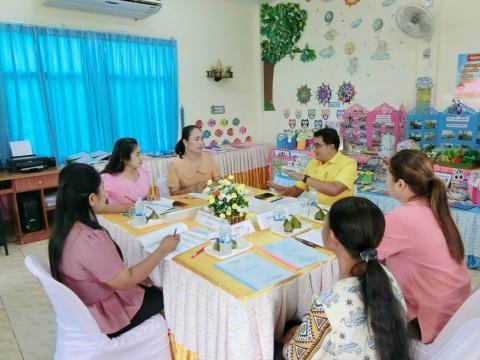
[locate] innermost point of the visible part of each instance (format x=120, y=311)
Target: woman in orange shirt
x=192, y=169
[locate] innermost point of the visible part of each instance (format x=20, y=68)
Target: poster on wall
x=468, y=76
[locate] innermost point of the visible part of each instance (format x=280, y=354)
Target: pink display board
x=354, y=126
x=382, y=120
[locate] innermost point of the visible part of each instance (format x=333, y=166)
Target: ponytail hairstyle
x=186, y=132
x=416, y=169
x=122, y=151
x=358, y=224
x=76, y=183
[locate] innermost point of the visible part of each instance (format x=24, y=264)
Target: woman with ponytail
x=84, y=257
x=192, y=169
x=422, y=246
x=363, y=315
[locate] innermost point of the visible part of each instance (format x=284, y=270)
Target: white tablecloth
x=232, y=161
x=214, y=324
x=468, y=222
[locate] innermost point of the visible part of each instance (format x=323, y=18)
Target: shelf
x=219, y=75
x=6, y=191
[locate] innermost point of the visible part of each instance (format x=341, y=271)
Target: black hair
x=186, y=132
x=329, y=136
x=359, y=224
x=122, y=151
x=416, y=169
x=76, y=183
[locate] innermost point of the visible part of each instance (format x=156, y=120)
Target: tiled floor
x=27, y=321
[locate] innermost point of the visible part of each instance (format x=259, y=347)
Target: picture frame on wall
x=217, y=109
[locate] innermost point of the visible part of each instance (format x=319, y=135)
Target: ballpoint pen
x=175, y=232
x=279, y=198
x=198, y=252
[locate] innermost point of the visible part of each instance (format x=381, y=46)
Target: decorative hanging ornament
x=230, y=132
x=292, y=123
x=286, y=113
x=305, y=123
x=355, y=23
x=377, y=24
x=199, y=123
x=236, y=121
x=311, y=113
x=324, y=94
x=298, y=114
x=248, y=139
x=213, y=143
x=242, y=130
x=218, y=132
x=351, y=2
x=349, y=48
x=325, y=114
x=346, y=93
x=225, y=142
x=328, y=17
x=331, y=34
x=327, y=52
x=211, y=122
x=206, y=134
x=224, y=122
x=304, y=93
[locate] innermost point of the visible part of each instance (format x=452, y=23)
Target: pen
x=198, y=252
x=175, y=232
x=279, y=198
x=126, y=197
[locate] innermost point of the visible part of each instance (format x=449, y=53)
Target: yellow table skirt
x=180, y=352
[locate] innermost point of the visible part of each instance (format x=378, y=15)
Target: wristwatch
x=305, y=178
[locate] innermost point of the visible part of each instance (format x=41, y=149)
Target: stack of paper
x=293, y=253
x=253, y=271
x=313, y=236
x=161, y=206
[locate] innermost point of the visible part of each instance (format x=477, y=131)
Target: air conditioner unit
x=135, y=9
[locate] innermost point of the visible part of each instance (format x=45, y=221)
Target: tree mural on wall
x=281, y=27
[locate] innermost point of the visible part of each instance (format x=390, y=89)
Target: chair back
x=163, y=186
x=75, y=323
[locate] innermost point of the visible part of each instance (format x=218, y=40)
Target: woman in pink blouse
x=124, y=178
x=84, y=257
x=422, y=246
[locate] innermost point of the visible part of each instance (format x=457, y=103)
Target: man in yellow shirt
x=331, y=173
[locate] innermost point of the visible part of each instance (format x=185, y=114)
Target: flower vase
x=236, y=219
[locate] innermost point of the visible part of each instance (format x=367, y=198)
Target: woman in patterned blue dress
x=363, y=315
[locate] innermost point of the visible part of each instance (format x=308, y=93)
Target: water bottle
x=139, y=214
x=225, y=238
x=279, y=213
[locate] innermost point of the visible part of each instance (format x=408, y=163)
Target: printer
x=30, y=163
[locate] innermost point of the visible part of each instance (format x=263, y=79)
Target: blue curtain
x=69, y=91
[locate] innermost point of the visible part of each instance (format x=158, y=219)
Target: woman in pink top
x=123, y=177
x=422, y=246
x=84, y=257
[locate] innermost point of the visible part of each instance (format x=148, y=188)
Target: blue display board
x=459, y=126
x=424, y=127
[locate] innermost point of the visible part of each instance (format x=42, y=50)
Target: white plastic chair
x=163, y=186
x=460, y=338
x=78, y=334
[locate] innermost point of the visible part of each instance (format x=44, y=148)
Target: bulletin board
x=459, y=126
x=423, y=127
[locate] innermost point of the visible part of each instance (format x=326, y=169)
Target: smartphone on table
x=264, y=196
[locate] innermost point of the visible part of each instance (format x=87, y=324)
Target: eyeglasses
x=318, y=146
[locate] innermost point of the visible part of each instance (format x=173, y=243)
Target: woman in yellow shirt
x=192, y=169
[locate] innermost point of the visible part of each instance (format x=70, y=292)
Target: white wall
x=205, y=30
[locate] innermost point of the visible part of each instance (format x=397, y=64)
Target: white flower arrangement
x=227, y=199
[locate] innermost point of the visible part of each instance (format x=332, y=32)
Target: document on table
x=151, y=240
x=313, y=236
x=253, y=271
x=293, y=253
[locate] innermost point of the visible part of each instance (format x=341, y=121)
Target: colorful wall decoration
x=383, y=121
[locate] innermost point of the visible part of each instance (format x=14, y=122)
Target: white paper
x=187, y=242
x=21, y=148
x=151, y=241
x=312, y=236
x=265, y=220
x=257, y=206
x=199, y=195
